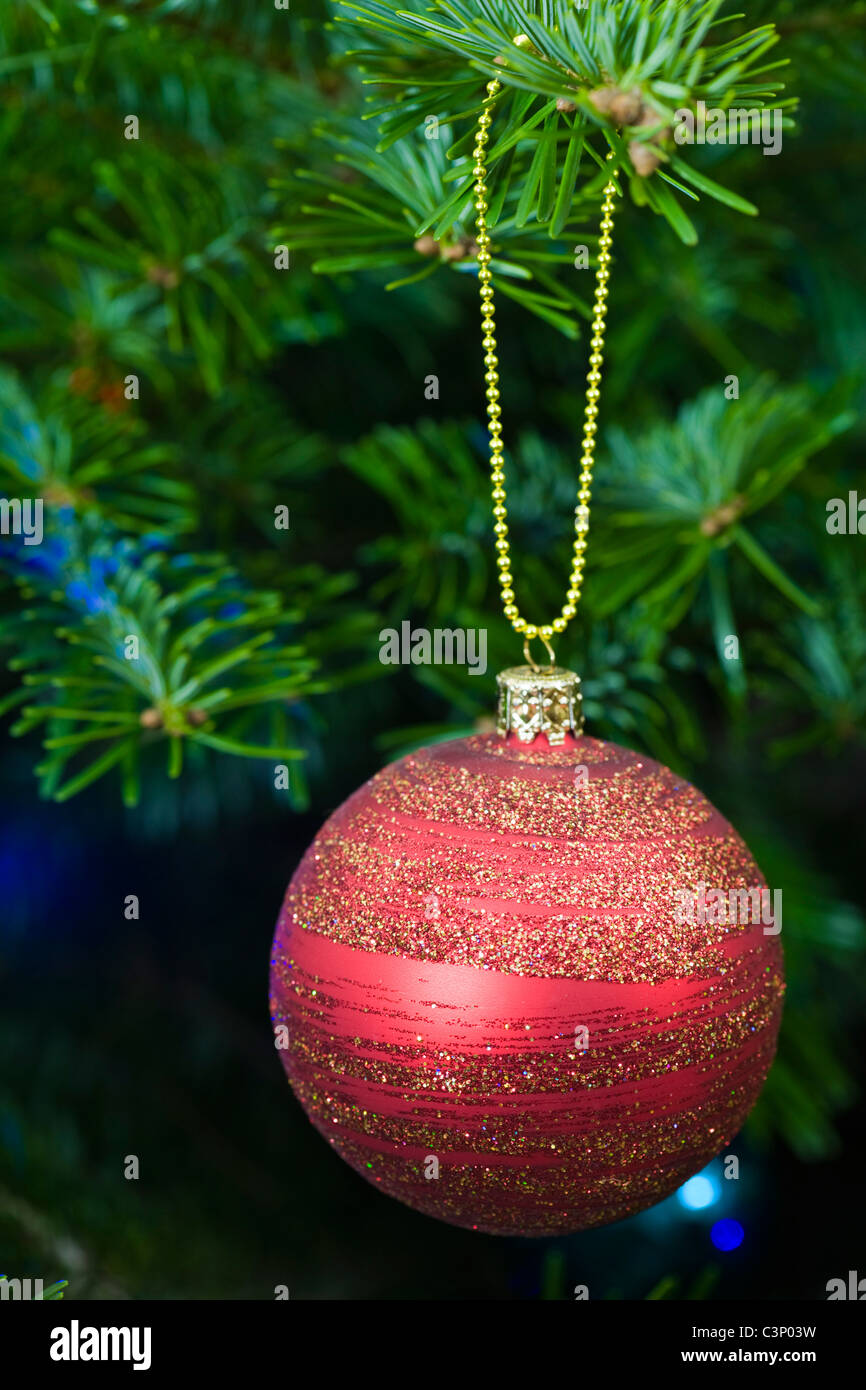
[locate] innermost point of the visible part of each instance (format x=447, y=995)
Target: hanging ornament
x=498, y=986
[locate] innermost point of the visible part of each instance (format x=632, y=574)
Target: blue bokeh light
x=727, y=1234
x=699, y=1192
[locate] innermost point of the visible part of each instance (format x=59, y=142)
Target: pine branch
x=578, y=83
x=123, y=645
x=822, y=663
x=682, y=504
x=82, y=449
x=410, y=213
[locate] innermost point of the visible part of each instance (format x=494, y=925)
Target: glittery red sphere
x=496, y=1007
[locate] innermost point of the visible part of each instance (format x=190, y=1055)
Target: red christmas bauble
x=495, y=1006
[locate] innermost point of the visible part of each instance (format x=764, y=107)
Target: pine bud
x=602, y=98
x=626, y=107
x=644, y=158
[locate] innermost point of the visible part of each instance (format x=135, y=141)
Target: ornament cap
x=537, y=700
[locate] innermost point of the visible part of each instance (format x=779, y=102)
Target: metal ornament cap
x=539, y=700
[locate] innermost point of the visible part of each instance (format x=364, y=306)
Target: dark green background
x=152, y=1037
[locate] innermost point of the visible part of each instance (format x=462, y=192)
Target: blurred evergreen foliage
x=260, y=388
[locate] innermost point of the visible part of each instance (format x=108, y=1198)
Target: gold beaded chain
x=494, y=410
